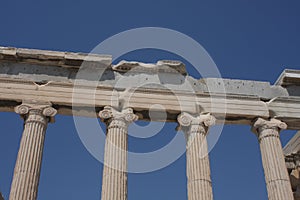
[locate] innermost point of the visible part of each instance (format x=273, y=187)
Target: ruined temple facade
x=39, y=84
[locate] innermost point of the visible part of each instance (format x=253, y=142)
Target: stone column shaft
x=276, y=175
x=198, y=168
x=28, y=165
x=114, y=181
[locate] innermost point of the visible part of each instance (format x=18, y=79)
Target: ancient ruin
x=38, y=84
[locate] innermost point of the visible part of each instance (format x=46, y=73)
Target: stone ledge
x=289, y=77
x=57, y=58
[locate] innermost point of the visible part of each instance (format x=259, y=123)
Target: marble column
x=198, y=169
x=114, y=180
x=28, y=165
x=276, y=174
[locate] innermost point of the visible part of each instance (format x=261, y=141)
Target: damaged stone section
x=290, y=80
x=51, y=76
x=263, y=90
x=292, y=160
x=48, y=66
x=166, y=66
x=293, y=167
x=289, y=77
x=51, y=58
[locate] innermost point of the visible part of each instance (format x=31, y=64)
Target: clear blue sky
x=252, y=40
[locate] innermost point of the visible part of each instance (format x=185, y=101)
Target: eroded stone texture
x=28, y=165
x=295, y=182
x=198, y=169
x=276, y=175
x=114, y=181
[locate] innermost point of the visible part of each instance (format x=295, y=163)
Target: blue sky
x=252, y=40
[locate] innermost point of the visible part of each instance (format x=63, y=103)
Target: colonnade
x=114, y=186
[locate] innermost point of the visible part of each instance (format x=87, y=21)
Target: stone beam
x=293, y=146
x=50, y=76
x=238, y=108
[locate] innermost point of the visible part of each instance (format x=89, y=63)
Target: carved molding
x=49, y=112
x=36, y=112
x=186, y=119
x=196, y=123
x=261, y=124
x=117, y=119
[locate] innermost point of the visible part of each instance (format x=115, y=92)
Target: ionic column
x=114, y=181
x=276, y=175
x=28, y=165
x=198, y=169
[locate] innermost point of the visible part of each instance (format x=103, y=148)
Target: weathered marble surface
x=276, y=174
x=197, y=162
x=28, y=165
x=50, y=76
x=114, y=179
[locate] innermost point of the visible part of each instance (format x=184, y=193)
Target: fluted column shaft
x=28, y=165
x=114, y=180
x=198, y=168
x=276, y=175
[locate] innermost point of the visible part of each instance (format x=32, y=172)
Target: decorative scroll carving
x=22, y=109
x=36, y=112
x=115, y=118
x=187, y=120
x=262, y=124
x=49, y=112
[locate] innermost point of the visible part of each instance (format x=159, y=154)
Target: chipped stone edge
x=57, y=58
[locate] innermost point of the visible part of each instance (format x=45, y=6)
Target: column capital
x=261, y=124
x=110, y=114
x=186, y=119
x=195, y=124
x=44, y=109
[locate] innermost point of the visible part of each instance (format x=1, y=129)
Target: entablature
x=57, y=77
